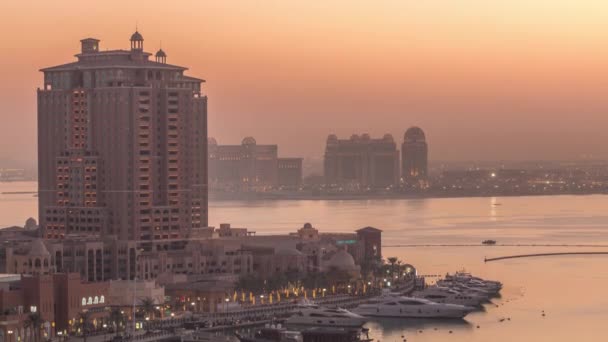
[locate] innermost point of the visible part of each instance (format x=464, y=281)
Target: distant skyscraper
x=361, y=161
x=122, y=146
x=414, y=157
x=250, y=166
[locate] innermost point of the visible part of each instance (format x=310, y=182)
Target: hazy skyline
x=487, y=81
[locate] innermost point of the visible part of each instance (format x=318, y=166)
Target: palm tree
x=34, y=323
x=117, y=318
x=148, y=307
x=392, y=261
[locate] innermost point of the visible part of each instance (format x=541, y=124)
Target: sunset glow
x=468, y=71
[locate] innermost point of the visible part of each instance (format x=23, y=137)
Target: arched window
x=84, y=301
x=90, y=301
x=96, y=300
x=102, y=300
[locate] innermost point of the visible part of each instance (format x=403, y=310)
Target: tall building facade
x=250, y=166
x=362, y=161
x=414, y=157
x=290, y=172
x=122, y=145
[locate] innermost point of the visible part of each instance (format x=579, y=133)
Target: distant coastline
x=259, y=196
x=25, y=189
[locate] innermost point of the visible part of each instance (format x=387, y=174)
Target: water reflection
x=391, y=326
x=493, y=211
x=418, y=204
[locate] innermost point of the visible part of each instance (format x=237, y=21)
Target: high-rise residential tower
x=122, y=146
x=414, y=157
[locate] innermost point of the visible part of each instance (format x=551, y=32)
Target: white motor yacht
x=315, y=315
x=470, y=288
x=398, y=306
x=468, y=279
x=448, y=296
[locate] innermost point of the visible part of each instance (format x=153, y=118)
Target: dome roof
x=161, y=53
x=137, y=36
x=342, y=260
x=249, y=141
x=31, y=223
x=332, y=138
x=365, y=136
x=307, y=225
x=211, y=141
x=414, y=134
x=38, y=249
x=388, y=137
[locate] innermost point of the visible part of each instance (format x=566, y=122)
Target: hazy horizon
x=523, y=80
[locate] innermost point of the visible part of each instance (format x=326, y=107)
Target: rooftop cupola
x=161, y=56
x=137, y=41
x=89, y=45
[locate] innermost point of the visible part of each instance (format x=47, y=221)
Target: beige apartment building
x=122, y=144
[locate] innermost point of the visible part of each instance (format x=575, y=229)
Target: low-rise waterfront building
x=128, y=271
x=58, y=299
x=212, y=252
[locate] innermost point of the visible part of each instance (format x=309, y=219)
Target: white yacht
x=398, y=306
x=325, y=317
x=448, y=296
x=468, y=287
x=470, y=280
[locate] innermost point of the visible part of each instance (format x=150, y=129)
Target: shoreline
x=254, y=197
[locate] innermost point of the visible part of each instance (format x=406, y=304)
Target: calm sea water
x=570, y=289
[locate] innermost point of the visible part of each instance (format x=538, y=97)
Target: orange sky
x=486, y=79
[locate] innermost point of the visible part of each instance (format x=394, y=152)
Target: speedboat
x=325, y=317
x=402, y=307
x=448, y=296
